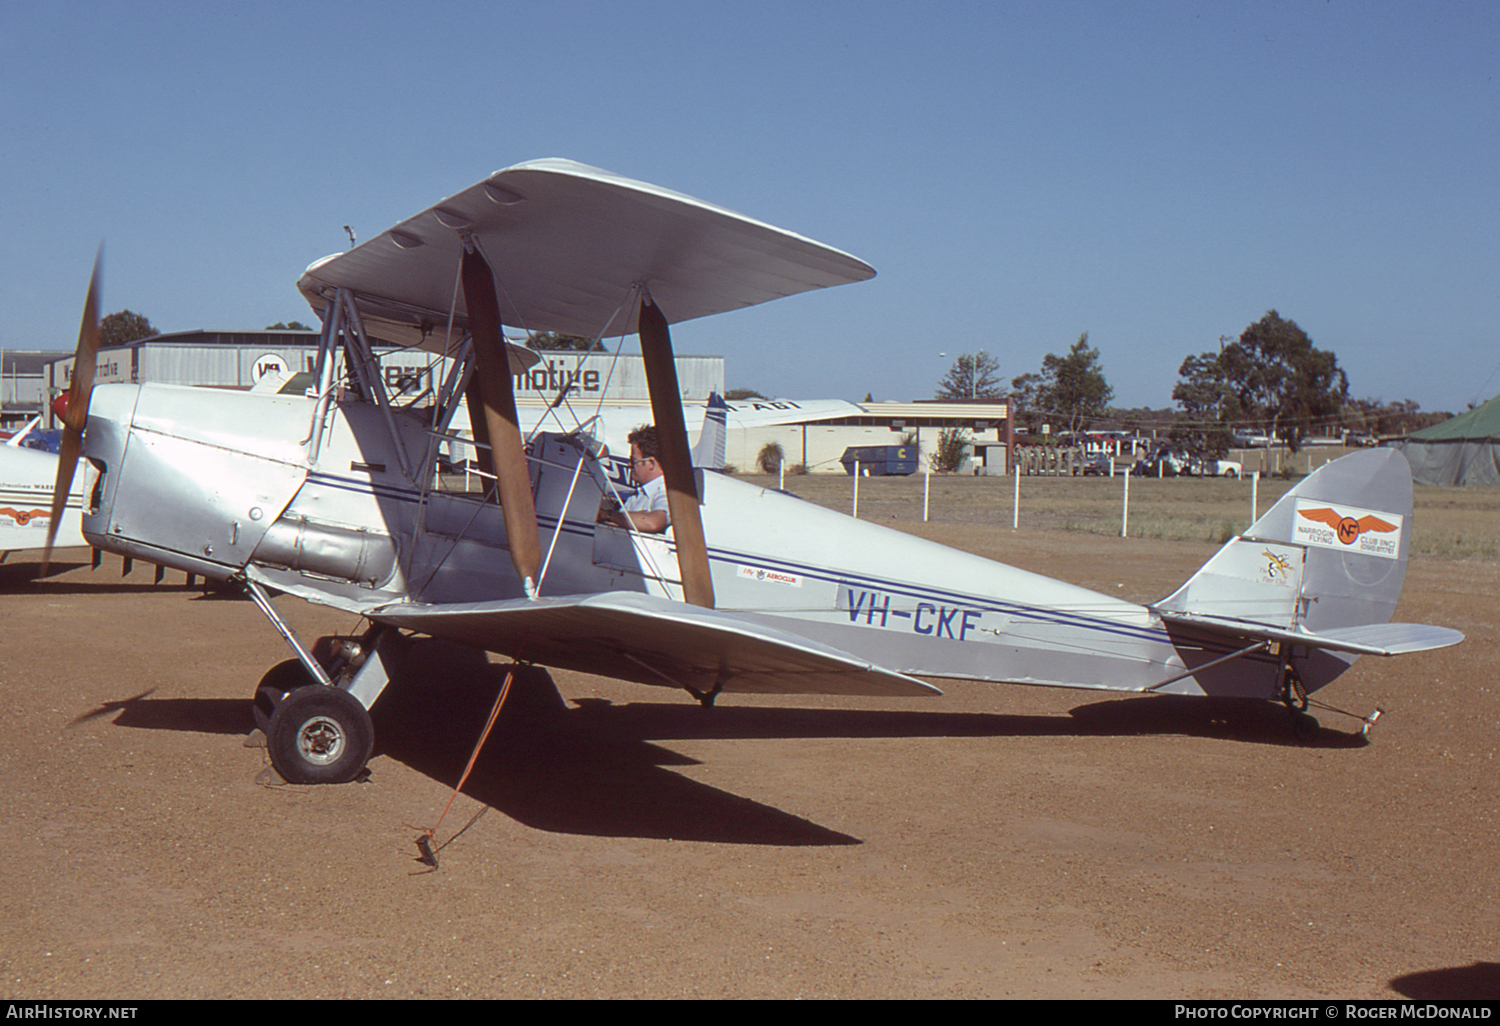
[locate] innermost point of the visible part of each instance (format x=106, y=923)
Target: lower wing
x=653, y=640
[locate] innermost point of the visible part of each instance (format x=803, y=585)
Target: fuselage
x=336, y=504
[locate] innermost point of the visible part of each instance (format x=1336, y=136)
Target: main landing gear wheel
x=279, y=681
x=320, y=735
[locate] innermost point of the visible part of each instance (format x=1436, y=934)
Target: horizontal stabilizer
x=1385, y=639
x=653, y=640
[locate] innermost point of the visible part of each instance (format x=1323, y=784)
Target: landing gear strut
x=1293, y=695
x=1291, y=692
x=314, y=710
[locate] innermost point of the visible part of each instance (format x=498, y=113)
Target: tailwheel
x=1293, y=695
x=320, y=735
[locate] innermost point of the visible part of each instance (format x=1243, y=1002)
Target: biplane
x=331, y=496
x=27, y=477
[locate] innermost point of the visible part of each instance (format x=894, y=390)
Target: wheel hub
x=320, y=740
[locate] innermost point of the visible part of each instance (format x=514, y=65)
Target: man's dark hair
x=644, y=439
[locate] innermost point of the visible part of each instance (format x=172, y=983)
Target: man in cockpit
x=646, y=510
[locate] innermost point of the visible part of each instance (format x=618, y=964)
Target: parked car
x=1098, y=465
x=1163, y=462
x=1167, y=462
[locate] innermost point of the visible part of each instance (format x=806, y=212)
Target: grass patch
x=1448, y=523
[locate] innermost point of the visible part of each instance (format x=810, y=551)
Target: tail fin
x=1323, y=568
x=709, y=450
x=1331, y=553
x=20, y=436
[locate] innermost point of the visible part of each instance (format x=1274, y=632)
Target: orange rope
x=424, y=841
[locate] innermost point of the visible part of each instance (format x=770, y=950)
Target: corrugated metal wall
x=238, y=359
x=697, y=376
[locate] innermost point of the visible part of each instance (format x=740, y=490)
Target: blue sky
x=1156, y=174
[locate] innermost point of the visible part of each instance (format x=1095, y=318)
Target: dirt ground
x=995, y=842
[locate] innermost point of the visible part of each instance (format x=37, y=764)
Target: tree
x=770, y=457
x=949, y=455
x=1023, y=399
x=972, y=376
x=736, y=394
x=293, y=326
x=1070, y=387
x=1142, y=419
x=1377, y=417
x=553, y=341
x=116, y=329
x=1208, y=407
x=1271, y=379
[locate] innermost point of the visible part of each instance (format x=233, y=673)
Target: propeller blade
x=496, y=391
x=76, y=416
x=676, y=456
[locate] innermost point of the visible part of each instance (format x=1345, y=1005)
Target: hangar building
x=238, y=359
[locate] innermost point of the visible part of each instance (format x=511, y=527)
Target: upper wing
x=653, y=641
x=568, y=243
x=747, y=413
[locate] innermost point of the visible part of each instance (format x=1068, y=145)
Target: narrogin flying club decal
x=1349, y=528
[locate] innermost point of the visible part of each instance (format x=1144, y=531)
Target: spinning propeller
x=76, y=413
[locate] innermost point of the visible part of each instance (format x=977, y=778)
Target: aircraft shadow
x=592, y=769
x=23, y=574
x=1251, y=721
x=24, y=577
x=1247, y=721
x=1477, y=982
x=190, y=715
x=539, y=766
x=546, y=767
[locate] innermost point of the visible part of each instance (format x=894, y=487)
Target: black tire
x=320, y=735
x=279, y=681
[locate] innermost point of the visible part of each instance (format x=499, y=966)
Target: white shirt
x=649, y=497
